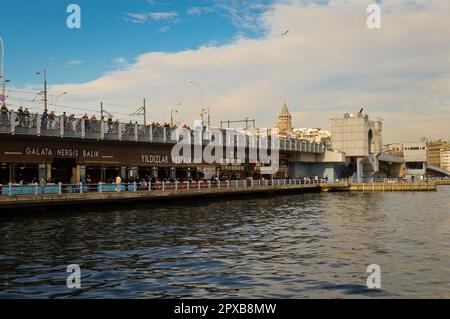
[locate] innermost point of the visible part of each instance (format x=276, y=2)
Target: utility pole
x=45, y=91
x=45, y=88
x=247, y=121
x=101, y=111
x=145, y=112
x=142, y=111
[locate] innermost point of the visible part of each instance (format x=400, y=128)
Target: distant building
x=415, y=155
x=445, y=159
x=284, y=123
x=434, y=152
x=312, y=135
x=395, y=149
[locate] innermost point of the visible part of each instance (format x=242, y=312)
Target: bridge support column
x=359, y=169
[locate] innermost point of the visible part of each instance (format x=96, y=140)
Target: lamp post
x=57, y=98
x=44, y=72
x=3, y=67
x=201, y=98
x=3, y=97
x=171, y=113
x=201, y=91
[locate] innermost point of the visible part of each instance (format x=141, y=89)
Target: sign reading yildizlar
x=62, y=152
x=154, y=159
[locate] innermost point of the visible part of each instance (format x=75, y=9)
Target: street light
x=3, y=97
x=3, y=67
x=56, y=100
x=44, y=72
x=201, y=97
x=172, y=111
x=201, y=91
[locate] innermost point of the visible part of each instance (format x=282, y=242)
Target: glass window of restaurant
x=102, y=173
x=19, y=173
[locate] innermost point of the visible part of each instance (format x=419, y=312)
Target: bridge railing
x=59, y=188
x=22, y=123
x=404, y=180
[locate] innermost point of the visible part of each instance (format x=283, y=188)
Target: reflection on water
x=296, y=246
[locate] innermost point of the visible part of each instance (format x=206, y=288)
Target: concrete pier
x=442, y=182
x=86, y=198
x=48, y=200
x=380, y=187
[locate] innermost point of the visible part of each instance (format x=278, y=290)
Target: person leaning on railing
x=110, y=124
x=4, y=111
x=51, y=120
x=44, y=119
x=27, y=118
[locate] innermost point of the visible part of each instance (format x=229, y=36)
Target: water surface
x=293, y=246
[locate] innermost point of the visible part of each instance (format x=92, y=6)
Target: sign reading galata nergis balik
x=62, y=152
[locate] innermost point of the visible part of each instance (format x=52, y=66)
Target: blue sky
x=113, y=32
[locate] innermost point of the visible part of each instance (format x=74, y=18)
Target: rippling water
x=296, y=246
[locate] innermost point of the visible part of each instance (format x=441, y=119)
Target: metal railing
x=52, y=189
x=68, y=126
x=406, y=180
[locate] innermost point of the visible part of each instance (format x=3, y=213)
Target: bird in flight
x=285, y=33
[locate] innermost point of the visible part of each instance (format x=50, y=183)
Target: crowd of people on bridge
x=50, y=121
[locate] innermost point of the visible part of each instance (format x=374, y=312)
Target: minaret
x=284, y=123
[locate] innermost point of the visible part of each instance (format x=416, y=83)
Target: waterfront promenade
x=110, y=193
x=57, y=195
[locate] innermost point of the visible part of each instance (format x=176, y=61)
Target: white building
x=361, y=141
x=312, y=135
x=415, y=155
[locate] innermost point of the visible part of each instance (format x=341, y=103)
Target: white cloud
x=196, y=11
x=121, y=63
x=136, y=17
x=329, y=64
x=151, y=16
x=164, y=29
x=162, y=15
x=76, y=62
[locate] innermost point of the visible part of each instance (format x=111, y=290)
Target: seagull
x=286, y=33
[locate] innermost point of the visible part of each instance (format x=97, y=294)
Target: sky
x=329, y=63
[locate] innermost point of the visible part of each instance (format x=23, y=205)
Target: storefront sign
x=154, y=159
x=62, y=152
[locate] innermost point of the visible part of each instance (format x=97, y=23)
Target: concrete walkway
x=48, y=200
x=96, y=197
